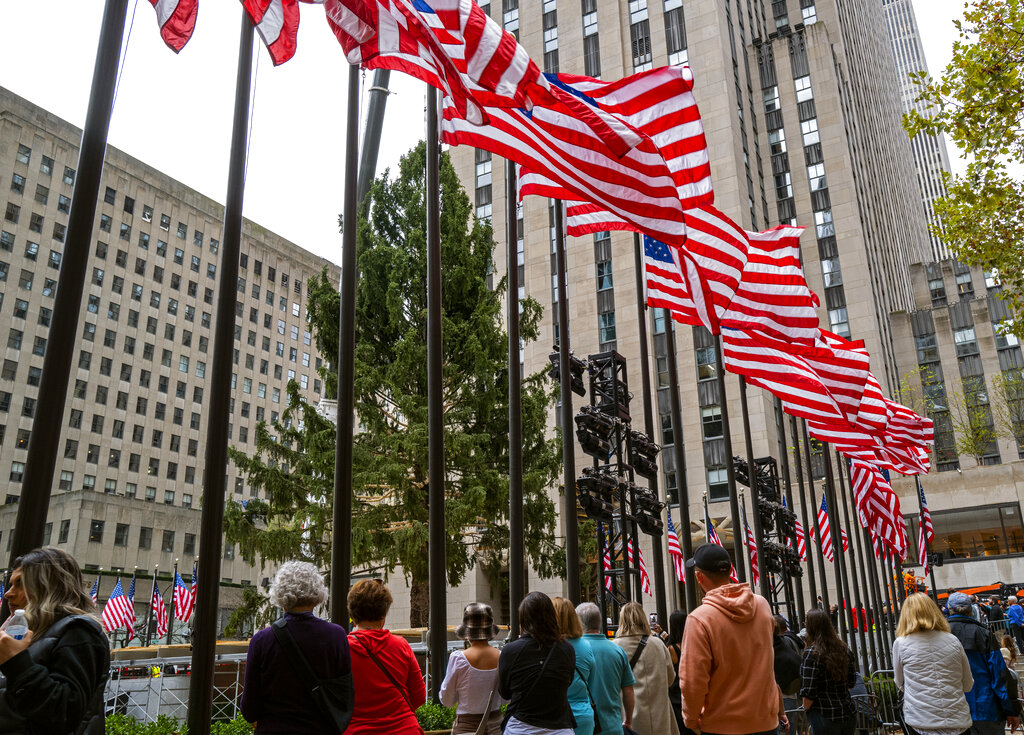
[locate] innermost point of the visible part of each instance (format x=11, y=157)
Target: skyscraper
x=930, y=155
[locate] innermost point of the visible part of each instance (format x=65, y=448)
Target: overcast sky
x=174, y=112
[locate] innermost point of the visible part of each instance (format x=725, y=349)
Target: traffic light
x=594, y=430
x=576, y=369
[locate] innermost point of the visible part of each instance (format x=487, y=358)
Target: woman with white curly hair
x=275, y=697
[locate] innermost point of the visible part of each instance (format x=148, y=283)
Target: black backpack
x=787, y=666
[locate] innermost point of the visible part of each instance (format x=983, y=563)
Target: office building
x=129, y=482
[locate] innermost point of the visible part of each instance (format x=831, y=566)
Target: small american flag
x=801, y=536
x=607, y=562
x=95, y=593
x=645, y=581
x=926, y=531
x=714, y=538
x=675, y=551
x=752, y=550
x=825, y=531
x=119, y=610
x=159, y=608
x=183, y=602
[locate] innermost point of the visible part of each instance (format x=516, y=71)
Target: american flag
x=801, y=537
x=95, y=593
x=183, y=602
x=645, y=581
x=159, y=608
x=925, y=530
x=660, y=104
x=714, y=538
x=177, y=20
x=452, y=45
x=130, y=622
x=675, y=551
x=277, y=22
x=772, y=296
x=119, y=609
x=825, y=532
x=752, y=550
x=878, y=507
x=607, y=562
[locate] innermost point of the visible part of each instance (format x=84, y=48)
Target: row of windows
x=122, y=531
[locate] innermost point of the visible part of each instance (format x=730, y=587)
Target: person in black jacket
x=535, y=671
x=54, y=675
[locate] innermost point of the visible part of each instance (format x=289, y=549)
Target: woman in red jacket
x=388, y=682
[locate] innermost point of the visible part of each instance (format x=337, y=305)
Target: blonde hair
x=54, y=588
x=568, y=620
x=632, y=621
x=920, y=613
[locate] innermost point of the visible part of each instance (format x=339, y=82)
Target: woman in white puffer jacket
x=932, y=669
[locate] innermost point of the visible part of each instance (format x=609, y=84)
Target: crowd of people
x=730, y=667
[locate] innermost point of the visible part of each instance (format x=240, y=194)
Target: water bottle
x=18, y=626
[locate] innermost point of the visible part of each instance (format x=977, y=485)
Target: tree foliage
x=293, y=467
x=979, y=104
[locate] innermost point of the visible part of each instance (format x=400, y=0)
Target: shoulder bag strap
x=299, y=663
x=636, y=654
x=593, y=704
x=386, y=673
x=485, y=717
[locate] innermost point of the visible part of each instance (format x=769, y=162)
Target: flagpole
x=569, y=519
x=341, y=538
x=170, y=618
x=794, y=587
x=738, y=543
x=679, y=455
x=658, y=542
x=517, y=545
x=438, y=535
x=835, y=530
x=743, y=512
x=923, y=536
x=204, y=638
x=813, y=509
x=374, y=125
x=860, y=602
x=149, y=610
x=755, y=493
x=881, y=634
x=53, y=387
x=808, y=551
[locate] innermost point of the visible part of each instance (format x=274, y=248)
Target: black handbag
x=335, y=697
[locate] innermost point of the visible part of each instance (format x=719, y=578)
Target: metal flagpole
x=813, y=510
x=569, y=518
x=923, y=537
x=878, y=593
x=204, y=634
x=658, y=542
x=730, y=468
x=516, y=545
x=149, y=609
x=812, y=584
x=794, y=586
x=835, y=530
x=743, y=512
x=755, y=495
x=858, y=601
x=438, y=535
x=53, y=386
x=374, y=125
x=170, y=618
x=341, y=538
x=679, y=454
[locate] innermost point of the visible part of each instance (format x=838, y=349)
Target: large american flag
x=177, y=20
x=878, y=507
x=925, y=530
x=159, y=608
x=675, y=551
x=645, y=581
x=755, y=570
x=452, y=45
x=118, y=611
x=183, y=601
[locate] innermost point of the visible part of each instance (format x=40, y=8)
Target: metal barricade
x=798, y=724
x=882, y=688
x=868, y=718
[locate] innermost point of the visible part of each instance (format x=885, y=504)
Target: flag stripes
x=118, y=610
x=176, y=20
x=675, y=551
x=159, y=608
x=755, y=570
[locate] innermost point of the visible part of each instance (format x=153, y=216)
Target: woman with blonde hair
x=932, y=669
x=56, y=673
x=652, y=669
x=580, y=698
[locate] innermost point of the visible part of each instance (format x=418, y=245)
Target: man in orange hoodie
x=726, y=668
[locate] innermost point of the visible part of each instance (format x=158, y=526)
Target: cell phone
x=654, y=618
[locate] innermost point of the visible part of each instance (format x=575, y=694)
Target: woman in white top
x=932, y=669
x=471, y=682
x=653, y=670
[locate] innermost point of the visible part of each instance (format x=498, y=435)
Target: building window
x=121, y=534
x=145, y=537
x=96, y=531
x=606, y=324
x=972, y=533
x=718, y=483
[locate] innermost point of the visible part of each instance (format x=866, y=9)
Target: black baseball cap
x=710, y=558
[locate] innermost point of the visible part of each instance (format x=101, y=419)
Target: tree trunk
x=419, y=604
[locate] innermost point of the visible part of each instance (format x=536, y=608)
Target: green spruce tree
x=293, y=466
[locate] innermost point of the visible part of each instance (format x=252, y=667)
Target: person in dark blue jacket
x=989, y=701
